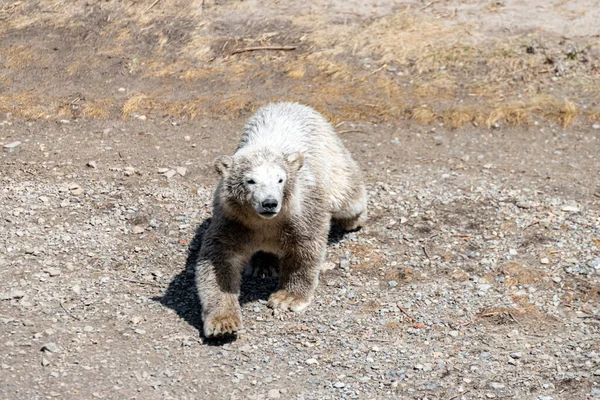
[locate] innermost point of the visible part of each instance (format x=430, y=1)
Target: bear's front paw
x=287, y=301
x=222, y=323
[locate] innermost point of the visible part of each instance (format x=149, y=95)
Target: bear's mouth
x=267, y=214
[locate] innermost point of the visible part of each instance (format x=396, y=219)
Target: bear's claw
x=287, y=301
x=224, y=323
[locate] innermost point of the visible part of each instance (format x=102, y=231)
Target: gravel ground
x=476, y=277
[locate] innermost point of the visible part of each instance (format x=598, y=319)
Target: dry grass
x=17, y=57
x=423, y=115
x=442, y=72
x=512, y=114
x=455, y=118
x=137, y=104
x=24, y=105
x=98, y=109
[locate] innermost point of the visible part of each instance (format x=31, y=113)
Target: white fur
x=290, y=128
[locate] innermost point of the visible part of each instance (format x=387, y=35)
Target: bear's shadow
x=181, y=294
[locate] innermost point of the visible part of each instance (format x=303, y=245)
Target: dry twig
x=69, y=312
x=259, y=48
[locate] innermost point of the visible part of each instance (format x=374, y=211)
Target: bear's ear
x=295, y=161
x=222, y=164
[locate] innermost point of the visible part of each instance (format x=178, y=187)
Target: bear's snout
x=270, y=205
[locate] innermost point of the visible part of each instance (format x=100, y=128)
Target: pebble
x=545, y=261
x=311, y=361
x=573, y=209
x=181, y=171
x=163, y=170
x=50, y=347
x=344, y=263
x=339, y=385
x=515, y=355
x=91, y=164
x=497, y=385
x=17, y=294
x=597, y=372
x=274, y=394
x=169, y=174
x=327, y=266
x=76, y=289
x=45, y=362
x=453, y=333
x=512, y=252
x=596, y=126
x=138, y=229
x=53, y=271
x=12, y=147
x=393, y=283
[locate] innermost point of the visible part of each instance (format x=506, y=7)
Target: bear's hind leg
x=353, y=214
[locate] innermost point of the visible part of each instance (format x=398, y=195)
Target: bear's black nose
x=270, y=204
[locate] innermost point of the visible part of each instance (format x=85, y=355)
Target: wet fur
x=323, y=183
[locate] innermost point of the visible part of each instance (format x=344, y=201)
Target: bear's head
x=258, y=182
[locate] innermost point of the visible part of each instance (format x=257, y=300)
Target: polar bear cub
x=288, y=179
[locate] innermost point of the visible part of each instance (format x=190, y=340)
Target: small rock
x=512, y=252
x=12, y=147
x=524, y=204
x=169, y=174
x=45, y=362
x=327, y=266
x=274, y=394
x=497, y=385
x=76, y=289
x=50, y=347
x=163, y=170
x=596, y=126
x=88, y=328
x=545, y=261
x=91, y=164
x=339, y=385
x=181, y=171
x=393, y=283
x=515, y=355
x=573, y=209
x=140, y=331
x=311, y=361
x=344, y=263
x=138, y=230
x=453, y=333
x=484, y=287
x=53, y=271
x=597, y=372
x=17, y=294
x=557, y=279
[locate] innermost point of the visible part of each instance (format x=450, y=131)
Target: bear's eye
x=250, y=181
x=281, y=180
